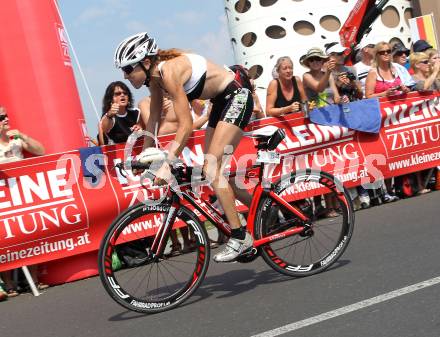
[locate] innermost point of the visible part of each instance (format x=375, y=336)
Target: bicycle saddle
x=268, y=137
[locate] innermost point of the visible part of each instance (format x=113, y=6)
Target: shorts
x=234, y=105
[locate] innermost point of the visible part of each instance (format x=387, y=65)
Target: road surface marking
x=350, y=308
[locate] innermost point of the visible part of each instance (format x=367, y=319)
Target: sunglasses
x=315, y=59
x=369, y=46
x=119, y=93
x=3, y=117
x=384, y=52
x=129, y=69
x=401, y=53
x=337, y=54
x=424, y=61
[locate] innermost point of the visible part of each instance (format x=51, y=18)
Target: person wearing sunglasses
x=119, y=117
x=400, y=54
x=383, y=79
x=186, y=76
x=346, y=79
x=427, y=78
x=13, y=142
x=319, y=86
x=12, y=145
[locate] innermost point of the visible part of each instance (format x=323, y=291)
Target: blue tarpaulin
x=363, y=115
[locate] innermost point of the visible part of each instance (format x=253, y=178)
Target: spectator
x=349, y=89
x=383, y=81
x=400, y=54
x=364, y=65
x=426, y=78
x=12, y=144
x=420, y=46
x=345, y=78
x=433, y=55
x=321, y=89
x=285, y=93
x=318, y=84
x=119, y=118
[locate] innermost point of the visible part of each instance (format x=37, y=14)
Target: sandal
x=424, y=191
x=41, y=286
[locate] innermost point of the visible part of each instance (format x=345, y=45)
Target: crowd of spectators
x=382, y=70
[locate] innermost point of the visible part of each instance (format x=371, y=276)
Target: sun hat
x=313, y=52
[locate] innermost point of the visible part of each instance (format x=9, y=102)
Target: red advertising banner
x=50, y=210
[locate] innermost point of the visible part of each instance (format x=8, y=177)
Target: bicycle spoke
x=314, y=249
x=147, y=283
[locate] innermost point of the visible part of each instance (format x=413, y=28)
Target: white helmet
x=134, y=49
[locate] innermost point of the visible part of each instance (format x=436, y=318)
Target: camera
x=351, y=76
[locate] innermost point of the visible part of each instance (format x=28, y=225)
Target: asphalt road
x=387, y=283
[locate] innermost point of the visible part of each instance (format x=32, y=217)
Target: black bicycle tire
x=152, y=307
x=279, y=264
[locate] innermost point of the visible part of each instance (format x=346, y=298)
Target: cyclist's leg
x=224, y=136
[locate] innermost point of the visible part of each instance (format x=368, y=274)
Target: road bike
x=283, y=219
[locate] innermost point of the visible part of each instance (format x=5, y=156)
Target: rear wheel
x=142, y=282
x=323, y=239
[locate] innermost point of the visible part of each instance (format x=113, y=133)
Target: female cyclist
x=184, y=77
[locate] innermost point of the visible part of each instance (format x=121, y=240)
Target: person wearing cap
x=318, y=84
x=420, y=46
x=364, y=65
x=345, y=78
x=400, y=54
x=285, y=93
x=321, y=89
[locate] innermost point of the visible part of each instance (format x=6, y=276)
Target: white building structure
x=263, y=30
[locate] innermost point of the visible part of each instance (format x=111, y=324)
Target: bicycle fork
x=165, y=228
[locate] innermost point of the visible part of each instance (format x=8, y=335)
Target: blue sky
x=96, y=27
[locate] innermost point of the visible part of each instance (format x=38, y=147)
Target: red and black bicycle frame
x=206, y=209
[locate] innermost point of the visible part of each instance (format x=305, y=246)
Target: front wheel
x=137, y=279
x=324, y=238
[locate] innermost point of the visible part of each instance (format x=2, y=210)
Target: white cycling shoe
x=234, y=248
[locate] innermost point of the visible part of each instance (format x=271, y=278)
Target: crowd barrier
x=49, y=209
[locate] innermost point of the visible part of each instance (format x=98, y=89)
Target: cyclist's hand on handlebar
x=163, y=175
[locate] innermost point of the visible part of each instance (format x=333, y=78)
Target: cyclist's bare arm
x=153, y=119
